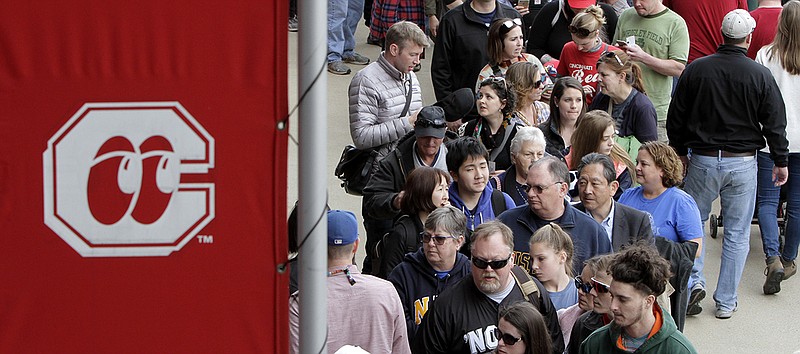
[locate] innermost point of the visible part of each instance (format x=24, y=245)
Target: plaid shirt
x=385, y=13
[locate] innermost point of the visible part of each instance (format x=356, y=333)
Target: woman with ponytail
x=622, y=94
x=579, y=57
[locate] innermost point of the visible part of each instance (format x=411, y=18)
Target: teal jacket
x=667, y=340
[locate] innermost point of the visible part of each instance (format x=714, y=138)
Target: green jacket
x=667, y=340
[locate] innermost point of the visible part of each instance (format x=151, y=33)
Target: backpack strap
x=498, y=202
x=526, y=284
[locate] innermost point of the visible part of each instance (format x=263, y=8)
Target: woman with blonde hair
x=528, y=81
x=596, y=134
x=782, y=58
x=622, y=95
x=579, y=57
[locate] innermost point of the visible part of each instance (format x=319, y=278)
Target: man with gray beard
x=464, y=317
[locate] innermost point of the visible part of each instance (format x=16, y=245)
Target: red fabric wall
x=225, y=63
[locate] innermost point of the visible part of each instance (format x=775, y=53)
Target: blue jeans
x=768, y=199
x=343, y=17
x=733, y=179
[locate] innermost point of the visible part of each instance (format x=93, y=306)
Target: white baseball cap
x=738, y=24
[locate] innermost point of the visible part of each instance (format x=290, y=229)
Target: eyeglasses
x=585, y=287
x=600, y=287
x=538, y=189
x=540, y=83
x=482, y=264
x=615, y=56
x=510, y=23
x=507, y=338
x=497, y=79
x=439, y=240
x=580, y=32
x=423, y=123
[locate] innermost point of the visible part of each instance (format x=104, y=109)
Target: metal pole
x=313, y=186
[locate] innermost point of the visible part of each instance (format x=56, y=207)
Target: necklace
x=346, y=271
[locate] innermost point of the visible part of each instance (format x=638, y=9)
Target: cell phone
x=524, y=3
x=621, y=43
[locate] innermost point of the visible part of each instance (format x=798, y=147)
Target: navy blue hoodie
x=418, y=286
x=483, y=211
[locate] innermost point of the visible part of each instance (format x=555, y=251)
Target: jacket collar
x=390, y=69
x=529, y=219
x=731, y=49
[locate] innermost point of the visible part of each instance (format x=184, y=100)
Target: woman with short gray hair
x=526, y=147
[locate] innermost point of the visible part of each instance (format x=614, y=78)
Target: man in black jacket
x=725, y=104
x=460, y=51
x=383, y=193
x=464, y=316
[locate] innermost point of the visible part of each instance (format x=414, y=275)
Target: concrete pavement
x=763, y=324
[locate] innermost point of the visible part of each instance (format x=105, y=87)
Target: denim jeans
x=733, y=179
x=768, y=199
x=343, y=17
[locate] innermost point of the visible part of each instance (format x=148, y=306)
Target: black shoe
x=695, y=309
x=774, y=273
x=698, y=294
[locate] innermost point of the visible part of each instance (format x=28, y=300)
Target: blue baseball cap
x=342, y=228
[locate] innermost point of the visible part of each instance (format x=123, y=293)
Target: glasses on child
x=585, y=287
x=439, y=240
x=482, y=264
x=507, y=338
x=599, y=287
x=510, y=23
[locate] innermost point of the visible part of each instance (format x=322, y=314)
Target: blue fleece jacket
x=483, y=211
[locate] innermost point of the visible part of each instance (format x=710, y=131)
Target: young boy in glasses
x=639, y=276
x=464, y=316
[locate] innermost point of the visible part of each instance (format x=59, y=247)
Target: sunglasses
x=615, y=56
x=439, y=240
x=540, y=83
x=538, y=189
x=507, y=338
x=585, y=287
x=581, y=32
x=482, y=264
x=599, y=286
x=510, y=23
x=438, y=124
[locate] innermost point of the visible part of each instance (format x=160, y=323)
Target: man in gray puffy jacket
x=385, y=98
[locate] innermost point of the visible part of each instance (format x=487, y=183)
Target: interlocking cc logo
x=129, y=179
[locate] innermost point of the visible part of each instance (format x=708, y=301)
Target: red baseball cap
x=581, y=4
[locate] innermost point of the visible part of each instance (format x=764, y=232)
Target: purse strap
x=408, y=96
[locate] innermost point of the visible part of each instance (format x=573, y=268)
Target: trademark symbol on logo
x=113, y=179
x=205, y=239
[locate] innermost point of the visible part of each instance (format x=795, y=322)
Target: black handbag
x=356, y=166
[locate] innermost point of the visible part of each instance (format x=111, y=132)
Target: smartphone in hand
x=524, y=3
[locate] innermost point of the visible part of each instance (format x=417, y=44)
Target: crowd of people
x=553, y=199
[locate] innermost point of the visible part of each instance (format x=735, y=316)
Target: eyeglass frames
x=510, y=23
x=438, y=124
x=439, y=240
x=599, y=286
x=507, y=338
x=585, y=287
x=581, y=32
x=615, y=56
x=539, y=83
x=538, y=189
x=482, y=264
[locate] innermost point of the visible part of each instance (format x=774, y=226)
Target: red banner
x=142, y=176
